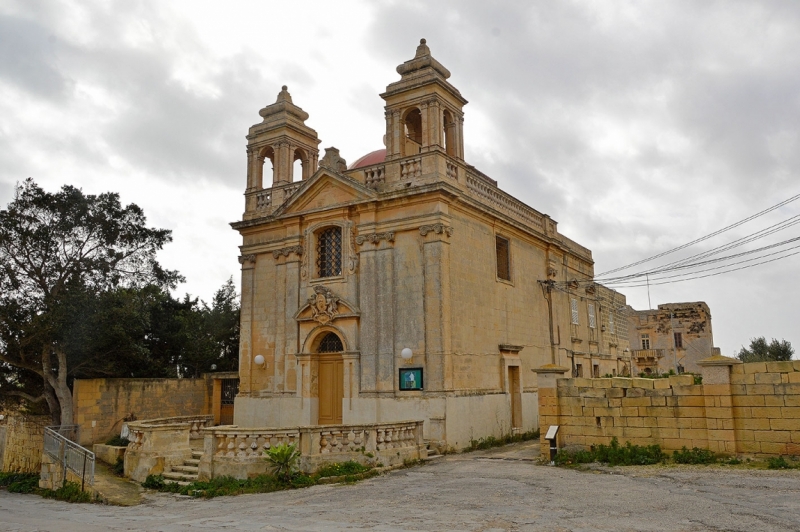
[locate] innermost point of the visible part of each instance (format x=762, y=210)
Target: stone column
x=368, y=301
x=548, y=401
x=424, y=124
x=350, y=360
x=248, y=263
x=716, y=371
x=436, y=302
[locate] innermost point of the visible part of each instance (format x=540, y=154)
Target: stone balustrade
x=158, y=443
x=504, y=202
x=240, y=452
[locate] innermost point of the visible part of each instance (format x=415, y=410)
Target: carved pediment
x=326, y=189
x=324, y=306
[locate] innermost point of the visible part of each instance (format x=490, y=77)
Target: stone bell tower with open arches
x=275, y=144
x=423, y=111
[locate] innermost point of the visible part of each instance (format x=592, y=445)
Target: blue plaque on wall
x=410, y=378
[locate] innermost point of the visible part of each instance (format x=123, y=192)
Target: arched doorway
x=331, y=379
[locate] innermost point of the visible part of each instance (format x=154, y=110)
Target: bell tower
x=277, y=142
x=423, y=111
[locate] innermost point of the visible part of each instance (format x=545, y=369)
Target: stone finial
x=284, y=95
x=282, y=109
x=333, y=161
x=423, y=59
x=422, y=49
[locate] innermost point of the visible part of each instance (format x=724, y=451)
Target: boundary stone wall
x=751, y=409
x=102, y=405
x=24, y=443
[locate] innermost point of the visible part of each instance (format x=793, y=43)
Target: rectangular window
x=596, y=371
x=645, y=341
x=579, y=370
x=678, y=340
x=573, y=305
x=503, y=258
x=611, y=323
x=592, y=319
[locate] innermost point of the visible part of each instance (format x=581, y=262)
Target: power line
x=714, y=274
x=701, y=239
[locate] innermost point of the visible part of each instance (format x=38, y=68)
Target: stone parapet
x=240, y=451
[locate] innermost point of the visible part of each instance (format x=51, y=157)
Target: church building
x=408, y=285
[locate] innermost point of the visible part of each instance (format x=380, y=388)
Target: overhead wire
x=703, y=238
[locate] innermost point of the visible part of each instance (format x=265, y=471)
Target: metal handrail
x=58, y=445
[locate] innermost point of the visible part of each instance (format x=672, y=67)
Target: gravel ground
x=499, y=490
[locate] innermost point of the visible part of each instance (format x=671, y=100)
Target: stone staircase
x=184, y=474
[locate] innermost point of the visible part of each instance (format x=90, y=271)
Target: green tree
x=57, y=251
x=760, y=350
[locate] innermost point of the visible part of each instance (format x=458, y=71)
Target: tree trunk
x=52, y=403
x=59, y=382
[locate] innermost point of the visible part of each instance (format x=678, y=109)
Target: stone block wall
x=101, y=405
x=24, y=442
x=749, y=409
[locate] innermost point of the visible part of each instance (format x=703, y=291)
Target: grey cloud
x=28, y=58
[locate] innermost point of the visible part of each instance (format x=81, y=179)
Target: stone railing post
x=548, y=401
x=716, y=371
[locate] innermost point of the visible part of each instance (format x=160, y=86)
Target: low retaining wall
x=239, y=451
x=739, y=408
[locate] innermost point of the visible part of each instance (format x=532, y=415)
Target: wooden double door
x=331, y=389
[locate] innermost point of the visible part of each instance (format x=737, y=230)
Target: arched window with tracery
x=330, y=343
x=329, y=252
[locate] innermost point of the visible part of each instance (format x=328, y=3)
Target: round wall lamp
x=406, y=353
x=259, y=360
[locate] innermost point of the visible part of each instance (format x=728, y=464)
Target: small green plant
x=778, y=463
x=284, y=459
x=69, y=492
x=119, y=467
x=730, y=461
x=153, y=482
x=698, y=379
x=613, y=454
x=118, y=441
x=20, y=482
x=693, y=456
x=340, y=469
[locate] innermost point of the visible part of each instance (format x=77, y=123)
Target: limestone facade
x=344, y=269
x=674, y=336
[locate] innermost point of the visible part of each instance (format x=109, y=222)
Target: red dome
x=374, y=157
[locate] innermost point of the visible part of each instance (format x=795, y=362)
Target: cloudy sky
x=638, y=126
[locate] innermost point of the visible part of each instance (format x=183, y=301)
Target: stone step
x=197, y=455
x=178, y=482
x=432, y=457
x=185, y=469
x=192, y=462
x=175, y=475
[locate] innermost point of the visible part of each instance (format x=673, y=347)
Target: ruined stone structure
x=675, y=336
x=410, y=250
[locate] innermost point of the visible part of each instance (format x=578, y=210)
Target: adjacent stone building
x=408, y=286
x=673, y=337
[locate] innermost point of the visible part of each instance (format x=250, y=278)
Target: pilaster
x=716, y=371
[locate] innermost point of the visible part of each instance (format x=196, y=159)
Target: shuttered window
x=503, y=258
x=573, y=304
x=592, y=318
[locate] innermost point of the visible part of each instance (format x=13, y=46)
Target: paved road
x=495, y=491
